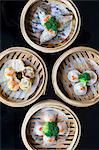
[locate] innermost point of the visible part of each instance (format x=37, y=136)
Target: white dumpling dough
x=25, y=84
x=73, y=75
x=80, y=89
x=47, y=141
x=63, y=21
x=47, y=36
x=50, y=116
x=93, y=77
x=62, y=128
x=38, y=129
x=17, y=65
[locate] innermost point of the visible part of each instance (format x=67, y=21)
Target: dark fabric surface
x=11, y=118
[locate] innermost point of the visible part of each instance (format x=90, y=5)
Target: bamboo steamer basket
x=26, y=27
x=35, y=60
x=81, y=58
x=74, y=125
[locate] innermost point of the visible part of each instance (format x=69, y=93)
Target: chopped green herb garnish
x=50, y=129
x=84, y=77
x=51, y=24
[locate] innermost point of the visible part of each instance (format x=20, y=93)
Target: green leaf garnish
x=50, y=129
x=51, y=24
x=84, y=77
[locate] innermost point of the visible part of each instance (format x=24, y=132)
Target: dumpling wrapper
x=47, y=36
x=73, y=75
x=25, y=84
x=80, y=89
x=93, y=77
x=17, y=65
x=62, y=128
x=38, y=128
x=48, y=141
x=42, y=15
x=63, y=21
x=50, y=115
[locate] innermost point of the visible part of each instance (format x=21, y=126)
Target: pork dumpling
x=93, y=77
x=13, y=85
x=47, y=141
x=80, y=89
x=73, y=75
x=9, y=72
x=25, y=84
x=38, y=129
x=47, y=35
x=62, y=128
x=18, y=65
x=28, y=72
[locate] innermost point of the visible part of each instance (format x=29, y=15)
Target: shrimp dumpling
x=62, y=128
x=80, y=89
x=73, y=75
x=93, y=77
x=38, y=129
x=48, y=141
x=17, y=65
x=9, y=72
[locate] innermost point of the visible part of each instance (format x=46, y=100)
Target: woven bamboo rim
x=19, y=52
x=91, y=98
x=75, y=127
x=44, y=49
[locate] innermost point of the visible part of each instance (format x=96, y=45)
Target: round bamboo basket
x=26, y=27
x=80, y=58
x=34, y=60
x=71, y=141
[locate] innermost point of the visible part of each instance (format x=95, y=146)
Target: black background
x=11, y=118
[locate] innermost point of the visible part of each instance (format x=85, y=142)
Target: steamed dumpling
x=38, y=129
x=47, y=35
x=93, y=77
x=48, y=140
x=80, y=89
x=17, y=65
x=28, y=72
x=25, y=84
x=63, y=21
x=50, y=116
x=62, y=128
x=73, y=75
x=42, y=15
x=13, y=85
x=9, y=72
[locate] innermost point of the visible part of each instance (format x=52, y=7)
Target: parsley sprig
x=51, y=24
